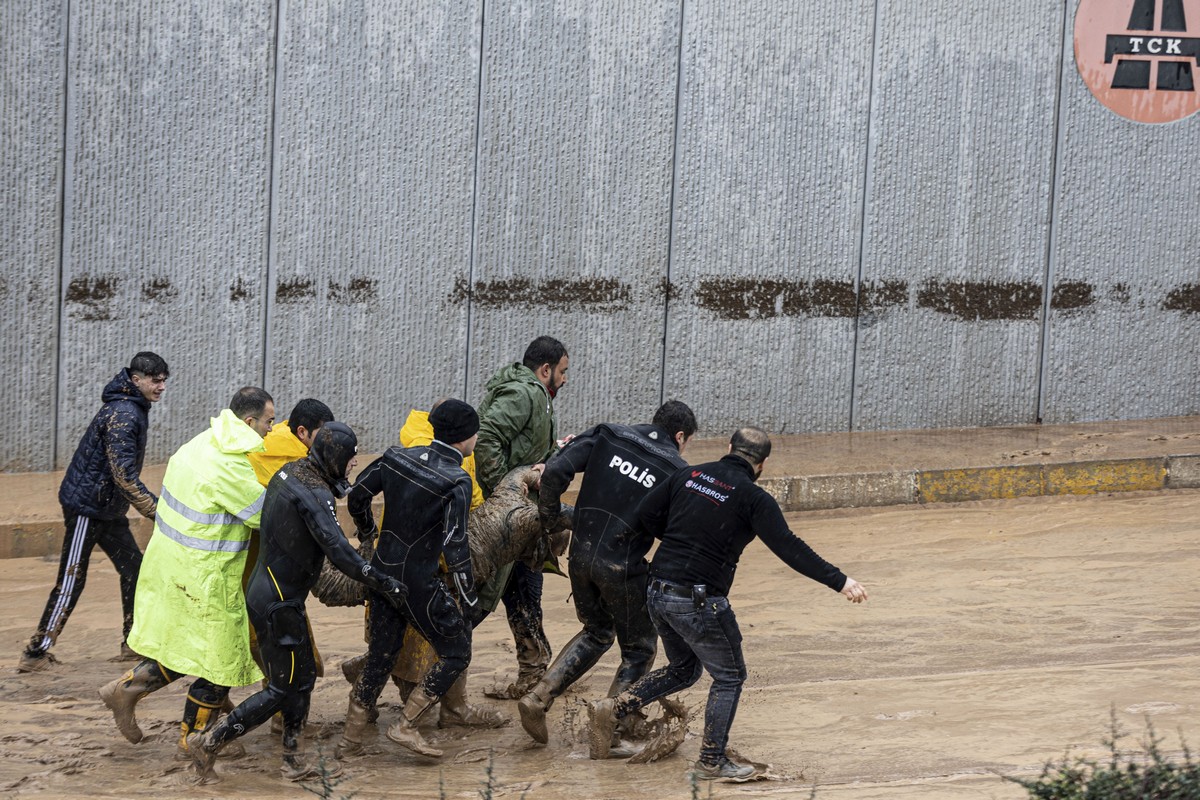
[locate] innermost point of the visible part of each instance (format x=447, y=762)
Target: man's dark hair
x=249, y=401
x=312, y=414
x=750, y=443
x=147, y=363
x=544, y=350
x=676, y=417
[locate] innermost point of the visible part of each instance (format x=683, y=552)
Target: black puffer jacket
x=103, y=479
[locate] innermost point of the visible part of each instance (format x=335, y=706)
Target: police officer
x=427, y=495
x=620, y=465
x=299, y=529
x=705, y=516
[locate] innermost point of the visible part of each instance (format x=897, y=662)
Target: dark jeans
x=611, y=604
x=694, y=637
x=83, y=534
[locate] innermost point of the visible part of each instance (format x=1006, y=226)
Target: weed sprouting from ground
x=326, y=782
x=1123, y=777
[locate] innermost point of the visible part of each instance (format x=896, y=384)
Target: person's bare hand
x=855, y=592
x=539, y=469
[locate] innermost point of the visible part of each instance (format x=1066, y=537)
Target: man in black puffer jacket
x=101, y=483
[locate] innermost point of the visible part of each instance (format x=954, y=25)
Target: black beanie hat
x=454, y=421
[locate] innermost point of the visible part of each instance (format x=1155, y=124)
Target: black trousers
x=432, y=611
x=83, y=534
x=291, y=668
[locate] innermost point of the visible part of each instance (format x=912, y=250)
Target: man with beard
x=299, y=530
x=516, y=428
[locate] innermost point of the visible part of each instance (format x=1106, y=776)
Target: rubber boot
x=353, y=667
x=603, y=717
x=199, y=717
x=122, y=695
x=455, y=710
x=297, y=766
x=357, y=720
x=533, y=708
x=203, y=754
x=405, y=732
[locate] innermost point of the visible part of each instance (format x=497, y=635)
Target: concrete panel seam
x=1052, y=230
x=272, y=192
x=662, y=375
x=472, y=245
x=64, y=226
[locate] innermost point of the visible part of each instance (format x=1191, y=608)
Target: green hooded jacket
x=189, y=609
x=516, y=425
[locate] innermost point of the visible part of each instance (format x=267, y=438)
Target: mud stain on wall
x=560, y=294
x=977, y=301
x=238, y=290
x=159, y=290
x=296, y=290
x=1072, y=296
x=765, y=298
x=1185, y=298
x=357, y=290
x=91, y=297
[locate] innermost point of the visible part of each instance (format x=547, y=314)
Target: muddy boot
x=122, y=696
x=357, y=720
x=199, y=717
x=533, y=708
x=405, y=732
x=353, y=667
x=297, y=766
x=457, y=711
x=203, y=754
x=603, y=718
x=405, y=687
x=126, y=654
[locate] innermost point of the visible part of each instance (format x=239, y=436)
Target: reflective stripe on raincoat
x=189, y=609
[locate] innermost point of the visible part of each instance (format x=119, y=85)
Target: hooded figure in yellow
x=189, y=610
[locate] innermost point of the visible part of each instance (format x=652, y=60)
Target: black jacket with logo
x=621, y=464
x=426, y=498
x=299, y=530
x=707, y=514
x=103, y=478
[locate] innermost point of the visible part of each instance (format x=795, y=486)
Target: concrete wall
x=810, y=216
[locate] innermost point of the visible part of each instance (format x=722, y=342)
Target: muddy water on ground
x=997, y=636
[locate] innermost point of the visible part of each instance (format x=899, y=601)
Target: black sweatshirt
x=707, y=514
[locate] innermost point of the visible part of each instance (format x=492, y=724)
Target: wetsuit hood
x=332, y=448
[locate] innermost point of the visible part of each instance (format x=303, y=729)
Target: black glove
x=473, y=614
x=364, y=536
x=472, y=609
x=392, y=590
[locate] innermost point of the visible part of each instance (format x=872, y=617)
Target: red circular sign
x=1141, y=58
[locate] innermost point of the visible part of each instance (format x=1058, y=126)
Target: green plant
x=1124, y=776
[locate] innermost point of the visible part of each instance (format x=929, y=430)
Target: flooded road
x=997, y=635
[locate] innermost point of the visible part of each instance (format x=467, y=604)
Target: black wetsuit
x=299, y=529
x=426, y=497
x=608, y=558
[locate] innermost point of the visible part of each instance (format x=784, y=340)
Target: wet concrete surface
x=998, y=635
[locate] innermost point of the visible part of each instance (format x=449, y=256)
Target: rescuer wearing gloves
x=427, y=496
x=299, y=529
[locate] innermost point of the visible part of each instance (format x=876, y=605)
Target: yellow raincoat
x=280, y=446
x=418, y=432
x=189, y=609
